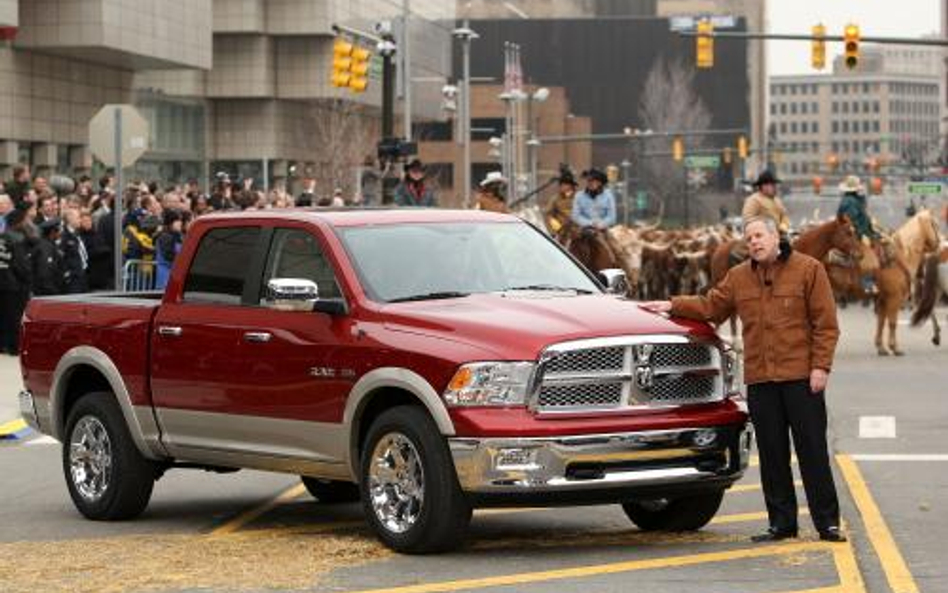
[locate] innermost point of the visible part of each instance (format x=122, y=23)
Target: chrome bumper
x=28, y=409
x=603, y=461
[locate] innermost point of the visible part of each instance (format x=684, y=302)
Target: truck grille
x=616, y=374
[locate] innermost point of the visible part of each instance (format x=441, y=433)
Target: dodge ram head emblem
x=642, y=353
x=643, y=377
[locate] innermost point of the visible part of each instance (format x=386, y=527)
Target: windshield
x=448, y=260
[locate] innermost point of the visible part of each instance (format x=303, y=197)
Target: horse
x=932, y=286
x=909, y=244
x=592, y=249
x=816, y=242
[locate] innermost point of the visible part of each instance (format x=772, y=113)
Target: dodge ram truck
x=423, y=362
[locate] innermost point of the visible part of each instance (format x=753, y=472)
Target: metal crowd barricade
x=138, y=275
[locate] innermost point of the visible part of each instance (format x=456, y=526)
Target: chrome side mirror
x=614, y=280
x=291, y=294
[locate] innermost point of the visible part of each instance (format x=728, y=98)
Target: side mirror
x=614, y=280
x=292, y=294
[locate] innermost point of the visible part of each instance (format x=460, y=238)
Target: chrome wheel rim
x=90, y=458
x=396, y=483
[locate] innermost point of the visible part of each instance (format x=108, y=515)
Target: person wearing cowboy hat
x=560, y=210
x=853, y=206
x=413, y=191
x=491, y=195
x=764, y=202
x=594, y=208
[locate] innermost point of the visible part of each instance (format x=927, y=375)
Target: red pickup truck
x=424, y=361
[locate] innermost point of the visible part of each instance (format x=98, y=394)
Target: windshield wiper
x=430, y=296
x=551, y=287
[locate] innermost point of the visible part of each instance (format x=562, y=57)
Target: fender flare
x=398, y=378
x=138, y=425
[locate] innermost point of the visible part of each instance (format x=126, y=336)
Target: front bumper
x=621, y=463
x=28, y=409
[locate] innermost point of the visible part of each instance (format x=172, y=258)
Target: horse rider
x=559, y=211
x=413, y=191
x=594, y=208
x=492, y=193
x=764, y=202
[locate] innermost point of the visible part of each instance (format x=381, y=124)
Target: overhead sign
x=132, y=136
x=924, y=188
x=703, y=162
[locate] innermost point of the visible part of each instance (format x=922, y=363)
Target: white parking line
x=877, y=427
x=43, y=440
x=900, y=456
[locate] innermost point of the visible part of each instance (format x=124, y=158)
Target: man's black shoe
x=832, y=534
x=774, y=535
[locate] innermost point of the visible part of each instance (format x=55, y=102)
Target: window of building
x=814, y=147
x=793, y=128
x=441, y=174
x=793, y=89
x=773, y=109
x=835, y=127
x=875, y=107
x=845, y=126
x=845, y=106
x=804, y=127
x=483, y=128
x=783, y=108
x=783, y=127
x=218, y=272
x=835, y=108
x=865, y=87
x=814, y=107
x=855, y=106
x=835, y=146
x=815, y=127
x=804, y=106
x=793, y=108
x=435, y=131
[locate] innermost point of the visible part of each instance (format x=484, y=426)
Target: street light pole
x=465, y=35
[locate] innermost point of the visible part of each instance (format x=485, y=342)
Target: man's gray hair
x=768, y=221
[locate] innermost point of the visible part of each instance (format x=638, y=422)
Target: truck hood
x=517, y=326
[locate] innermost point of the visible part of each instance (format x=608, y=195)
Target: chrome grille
x=681, y=355
x=621, y=373
x=581, y=361
x=681, y=389
x=591, y=395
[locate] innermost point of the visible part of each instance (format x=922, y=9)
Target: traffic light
x=742, y=146
x=851, y=45
x=612, y=173
x=818, y=57
x=341, y=62
x=704, y=44
x=359, y=70
x=678, y=149
x=832, y=161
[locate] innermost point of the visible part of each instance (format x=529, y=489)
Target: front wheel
x=686, y=513
x=108, y=478
x=410, y=491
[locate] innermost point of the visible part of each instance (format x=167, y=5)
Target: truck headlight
x=490, y=384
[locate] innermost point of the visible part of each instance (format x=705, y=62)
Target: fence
x=139, y=275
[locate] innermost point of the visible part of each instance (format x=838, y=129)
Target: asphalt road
x=254, y=531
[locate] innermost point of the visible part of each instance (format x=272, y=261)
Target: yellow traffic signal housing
x=851, y=46
x=678, y=149
x=341, y=62
x=818, y=56
x=359, y=70
x=742, y=147
x=704, y=44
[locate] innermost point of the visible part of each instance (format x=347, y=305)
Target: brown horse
x=592, y=249
x=932, y=286
x=909, y=245
x=816, y=242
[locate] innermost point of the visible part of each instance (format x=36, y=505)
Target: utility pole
x=406, y=68
x=464, y=34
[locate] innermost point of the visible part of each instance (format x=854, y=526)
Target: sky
x=894, y=18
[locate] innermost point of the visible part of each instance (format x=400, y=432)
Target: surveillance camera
x=495, y=141
x=383, y=28
x=449, y=90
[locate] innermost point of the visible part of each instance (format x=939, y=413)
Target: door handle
x=172, y=331
x=257, y=337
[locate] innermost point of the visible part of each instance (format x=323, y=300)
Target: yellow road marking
x=745, y=517
x=248, y=516
x=753, y=487
x=755, y=460
x=850, y=579
x=896, y=571
x=604, y=569
x=8, y=428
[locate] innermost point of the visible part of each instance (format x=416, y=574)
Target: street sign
x=375, y=68
x=924, y=188
x=132, y=131
x=703, y=162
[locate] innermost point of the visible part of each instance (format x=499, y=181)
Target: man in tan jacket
x=785, y=304
x=764, y=202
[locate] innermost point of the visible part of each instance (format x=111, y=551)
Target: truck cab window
x=297, y=254
x=219, y=269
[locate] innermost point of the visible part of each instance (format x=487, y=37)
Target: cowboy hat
x=852, y=185
x=594, y=173
x=766, y=176
x=493, y=177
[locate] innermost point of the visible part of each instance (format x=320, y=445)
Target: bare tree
x=345, y=135
x=669, y=103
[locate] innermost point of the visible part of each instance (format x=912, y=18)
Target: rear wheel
x=686, y=513
x=410, y=491
x=331, y=491
x=108, y=478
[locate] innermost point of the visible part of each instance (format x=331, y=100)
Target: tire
x=434, y=514
x=117, y=484
x=687, y=513
x=331, y=491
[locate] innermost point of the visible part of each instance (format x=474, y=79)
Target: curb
x=14, y=430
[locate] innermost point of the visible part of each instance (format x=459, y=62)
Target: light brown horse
x=932, y=286
x=910, y=243
x=816, y=242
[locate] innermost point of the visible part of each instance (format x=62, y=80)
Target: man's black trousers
x=779, y=408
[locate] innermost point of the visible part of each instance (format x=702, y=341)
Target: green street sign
x=375, y=67
x=703, y=162
x=924, y=189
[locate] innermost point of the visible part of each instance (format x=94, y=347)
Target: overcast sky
x=902, y=18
